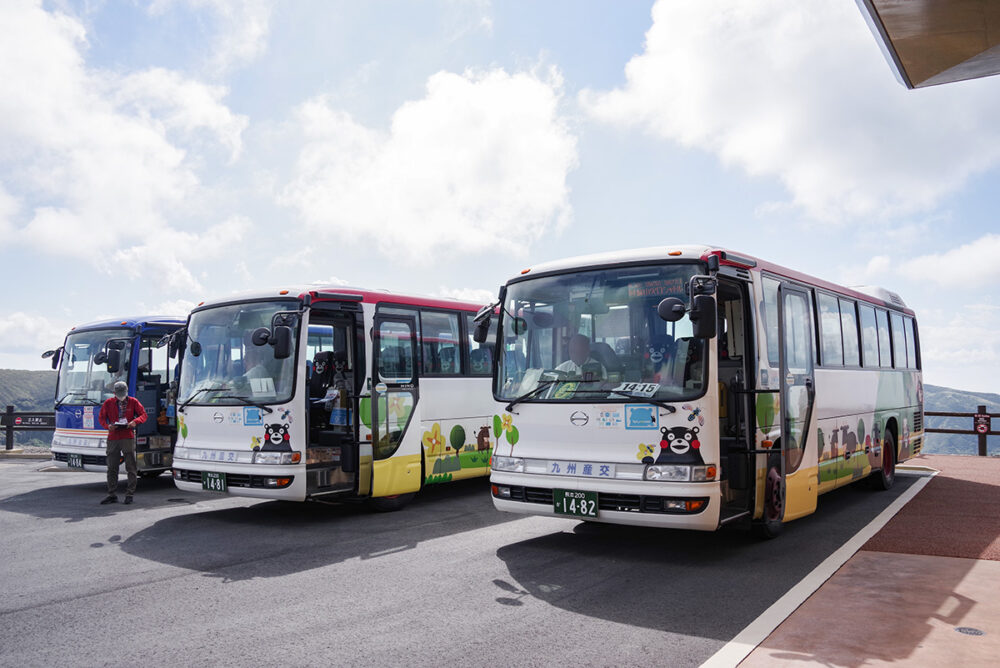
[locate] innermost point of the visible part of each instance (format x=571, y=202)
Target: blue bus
x=91, y=360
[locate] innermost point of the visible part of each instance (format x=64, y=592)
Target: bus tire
x=883, y=479
x=388, y=504
x=771, y=523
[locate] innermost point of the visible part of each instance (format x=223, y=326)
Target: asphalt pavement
x=182, y=579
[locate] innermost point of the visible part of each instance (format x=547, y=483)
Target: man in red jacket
x=119, y=415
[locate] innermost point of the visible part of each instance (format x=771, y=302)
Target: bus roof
x=132, y=322
x=871, y=294
x=322, y=293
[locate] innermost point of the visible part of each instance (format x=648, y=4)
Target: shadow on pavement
x=77, y=502
x=692, y=583
x=273, y=538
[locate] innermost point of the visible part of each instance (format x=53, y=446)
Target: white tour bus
x=331, y=393
x=691, y=386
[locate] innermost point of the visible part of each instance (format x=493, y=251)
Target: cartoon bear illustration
x=276, y=438
x=680, y=445
x=483, y=439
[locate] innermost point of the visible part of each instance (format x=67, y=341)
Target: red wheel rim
x=773, y=501
x=888, y=461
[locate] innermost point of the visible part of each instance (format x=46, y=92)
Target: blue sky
x=156, y=154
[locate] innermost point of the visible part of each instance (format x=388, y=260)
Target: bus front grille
x=627, y=503
x=232, y=479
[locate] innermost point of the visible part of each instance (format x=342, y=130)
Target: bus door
x=797, y=472
x=395, y=393
x=335, y=460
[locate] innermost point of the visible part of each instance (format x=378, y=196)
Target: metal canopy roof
x=930, y=42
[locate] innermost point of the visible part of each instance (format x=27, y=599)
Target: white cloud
x=800, y=91
x=22, y=332
x=241, y=33
x=973, y=266
x=479, y=163
x=96, y=158
x=960, y=346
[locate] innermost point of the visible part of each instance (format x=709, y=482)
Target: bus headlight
x=277, y=457
x=680, y=473
x=513, y=464
x=668, y=473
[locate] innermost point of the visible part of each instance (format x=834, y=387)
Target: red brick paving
x=956, y=515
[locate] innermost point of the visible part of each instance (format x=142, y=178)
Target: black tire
x=883, y=479
x=388, y=504
x=771, y=523
x=151, y=474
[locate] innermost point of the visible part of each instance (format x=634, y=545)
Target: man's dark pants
x=124, y=447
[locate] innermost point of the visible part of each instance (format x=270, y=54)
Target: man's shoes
x=128, y=499
x=111, y=498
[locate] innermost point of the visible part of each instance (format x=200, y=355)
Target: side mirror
x=56, y=358
x=671, y=309
x=176, y=344
x=282, y=341
x=114, y=360
x=260, y=336
x=101, y=357
x=519, y=325
x=482, y=330
x=703, y=316
x=195, y=348
x=713, y=264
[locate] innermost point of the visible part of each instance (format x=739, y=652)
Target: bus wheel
x=883, y=478
x=770, y=525
x=387, y=504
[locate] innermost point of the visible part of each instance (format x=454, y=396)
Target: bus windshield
x=595, y=336
x=221, y=364
x=81, y=381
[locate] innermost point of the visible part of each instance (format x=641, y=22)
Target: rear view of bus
x=684, y=387
x=332, y=394
x=91, y=360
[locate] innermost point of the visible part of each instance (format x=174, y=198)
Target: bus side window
x=829, y=328
x=869, y=336
x=441, y=344
x=898, y=341
x=849, y=325
x=911, y=344
x=884, y=341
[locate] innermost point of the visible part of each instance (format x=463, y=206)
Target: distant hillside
x=28, y=391
x=946, y=399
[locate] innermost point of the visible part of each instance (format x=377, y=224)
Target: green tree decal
x=457, y=438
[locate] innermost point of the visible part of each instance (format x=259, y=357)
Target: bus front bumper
x=252, y=480
x=638, y=503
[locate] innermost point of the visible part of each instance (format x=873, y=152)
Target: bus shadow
x=273, y=538
x=80, y=501
x=704, y=584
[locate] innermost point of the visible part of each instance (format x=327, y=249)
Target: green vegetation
x=28, y=391
x=946, y=399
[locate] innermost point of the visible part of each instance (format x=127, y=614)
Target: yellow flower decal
x=433, y=440
x=645, y=451
x=507, y=421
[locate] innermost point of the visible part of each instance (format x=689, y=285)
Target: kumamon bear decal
x=680, y=445
x=276, y=438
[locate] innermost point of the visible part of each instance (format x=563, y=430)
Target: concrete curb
x=5, y=454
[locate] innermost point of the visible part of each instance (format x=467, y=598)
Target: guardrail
x=982, y=425
x=12, y=421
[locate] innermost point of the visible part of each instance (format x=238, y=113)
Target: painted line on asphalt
x=747, y=640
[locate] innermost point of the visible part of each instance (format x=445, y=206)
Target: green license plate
x=574, y=502
x=213, y=482
x=74, y=461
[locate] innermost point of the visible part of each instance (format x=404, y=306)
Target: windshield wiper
x=197, y=392
x=248, y=402
x=59, y=402
x=645, y=400
x=530, y=393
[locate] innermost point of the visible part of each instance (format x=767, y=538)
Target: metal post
x=10, y=428
x=982, y=437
